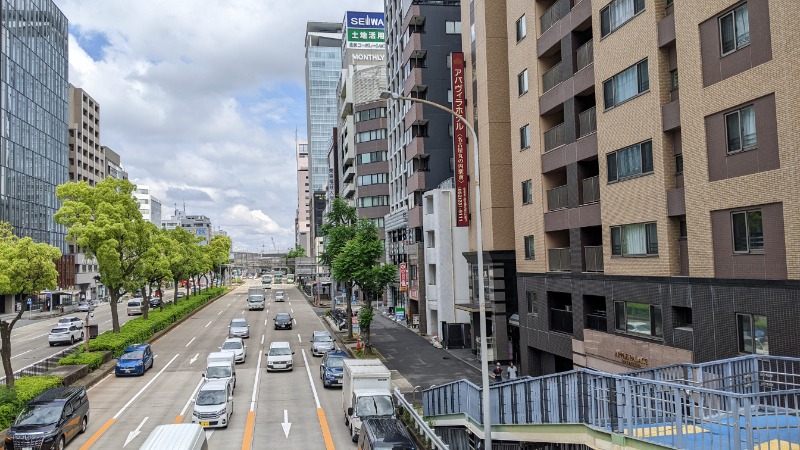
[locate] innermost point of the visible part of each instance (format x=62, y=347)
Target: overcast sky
x=203, y=100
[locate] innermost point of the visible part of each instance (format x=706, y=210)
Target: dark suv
x=50, y=420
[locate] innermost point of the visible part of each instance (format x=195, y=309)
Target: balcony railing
x=557, y=198
x=558, y=259
x=591, y=190
x=551, y=78
x=587, y=122
x=551, y=16
x=585, y=55
x=561, y=320
x=594, y=258
x=596, y=322
x=554, y=137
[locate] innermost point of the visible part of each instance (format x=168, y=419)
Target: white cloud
x=202, y=99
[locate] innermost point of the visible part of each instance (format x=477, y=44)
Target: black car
x=50, y=420
x=155, y=302
x=283, y=321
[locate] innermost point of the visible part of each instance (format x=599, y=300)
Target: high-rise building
x=302, y=221
x=659, y=226
x=149, y=206
x=114, y=167
x=87, y=162
x=420, y=37
x=197, y=225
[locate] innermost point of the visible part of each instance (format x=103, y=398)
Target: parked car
x=64, y=334
x=279, y=356
x=135, y=360
x=321, y=342
x=134, y=306
x=155, y=302
x=85, y=307
x=213, y=404
x=71, y=320
x=50, y=420
x=180, y=294
x=283, y=321
x=239, y=328
x=280, y=296
x=331, y=368
x=237, y=347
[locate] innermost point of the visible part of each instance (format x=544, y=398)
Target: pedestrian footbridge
x=750, y=402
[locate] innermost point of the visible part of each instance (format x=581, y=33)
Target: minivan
x=50, y=420
x=221, y=365
x=180, y=436
x=384, y=433
x=279, y=356
x=135, y=306
x=213, y=404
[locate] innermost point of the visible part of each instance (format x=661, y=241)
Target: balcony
x=594, y=258
x=415, y=148
x=415, y=115
x=671, y=115
x=349, y=173
x=587, y=122
x=551, y=78
x=553, y=15
x=413, y=82
x=558, y=259
x=591, y=190
x=348, y=190
x=557, y=198
x=561, y=320
x=413, y=47
x=416, y=182
x=554, y=137
x=596, y=322
x=585, y=55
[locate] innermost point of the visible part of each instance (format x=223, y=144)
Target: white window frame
x=452, y=27
x=522, y=28
x=732, y=13
x=739, y=113
x=650, y=233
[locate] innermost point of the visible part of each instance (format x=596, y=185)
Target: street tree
x=359, y=261
x=339, y=228
x=106, y=223
x=219, y=248
x=26, y=267
x=155, y=264
x=183, y=252
x=297, y=252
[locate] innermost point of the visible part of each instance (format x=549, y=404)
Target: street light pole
x=487, y=410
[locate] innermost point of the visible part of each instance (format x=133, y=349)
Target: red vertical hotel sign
x=460, y=140
x=403, y=277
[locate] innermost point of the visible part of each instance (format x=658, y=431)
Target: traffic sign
x=30, y=301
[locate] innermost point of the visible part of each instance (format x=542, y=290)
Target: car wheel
x=353, y=435
x=84, y=421
x=52, y=344
x=81, y=336
x=346, y=421
x=60, y=444
x=72, y=339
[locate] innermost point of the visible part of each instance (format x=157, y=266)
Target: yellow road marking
x=326, y=432
x=247, y=441
x=95, y=437
x=178, y=419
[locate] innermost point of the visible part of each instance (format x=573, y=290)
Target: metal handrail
x=421, y=426
x=552, y=77
x=587, y=122
x=557, y=198
x=591, y=190
x=585, y=54
x=554, y=137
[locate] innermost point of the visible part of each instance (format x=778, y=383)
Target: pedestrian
x=498, y=372
x=512, y=371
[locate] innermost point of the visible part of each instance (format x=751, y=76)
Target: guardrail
x=420, y=426
x=45, y=365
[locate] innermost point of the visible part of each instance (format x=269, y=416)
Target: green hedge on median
x=91, y=359
x=25, y=389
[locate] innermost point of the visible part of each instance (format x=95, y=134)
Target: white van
x=280, y=357
x=181, y=436
x=221, y=366
x=135, y=306
x=213, y=405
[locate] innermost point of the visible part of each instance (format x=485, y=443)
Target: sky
x=204, y=100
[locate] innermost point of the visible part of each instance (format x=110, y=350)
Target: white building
x=445, y=267
x=149, y=206
x=302, y=220
x=197, y=225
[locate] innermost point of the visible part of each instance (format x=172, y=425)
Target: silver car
x=237, y=347
x=239, y=328
x=321, y=343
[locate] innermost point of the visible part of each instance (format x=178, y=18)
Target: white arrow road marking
x=132, y=435
x=286, y=425
x=191, y=341
x=209, y=323
x=191, y=361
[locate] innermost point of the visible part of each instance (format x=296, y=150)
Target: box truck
x=255, y=298
x=366, y=392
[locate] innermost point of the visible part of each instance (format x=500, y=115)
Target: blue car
x=135, y=360
x=331, y=368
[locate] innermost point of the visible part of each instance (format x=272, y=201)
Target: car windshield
x=67, y=321
x=58, y=330
x=283, y=317
x=232, y=345
x=133, y=303
x=323, y=338
x=238, y=323
x=379, y=405
x=218, y=372
x=39, y=415
x=206, y=398
x=280, y=351
x=132, y=355
x=335, y=363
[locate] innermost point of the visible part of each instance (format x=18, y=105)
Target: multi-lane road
x=288, y=410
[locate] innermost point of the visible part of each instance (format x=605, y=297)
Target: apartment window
x=627, y=84
x=377, y=200
x=679, y=164
x=370, y=114
x=683, y=230
x=740, y=129
x=630, y=161
x=734, y=30
x=527, y=192
x=375, y=178
x=371, y=157
x=521, y=28
x=682, y=317
x=432, y=274
x=673, y=80
x=639, y=319
x=430, y=239
x=372, y=135
x=752, y=332
x=522, y=82
x=377, y=222
x=530, y=297
x=638, y=239
x=451, y=27
x=525, y=137
x=529, y=249
x=617, y=13
x=748, y=231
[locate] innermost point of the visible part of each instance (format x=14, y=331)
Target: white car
x=213, y=404
x=70, y=320
x=279, y=356
x=279, y=296
x=237, y=347
x=66, y=334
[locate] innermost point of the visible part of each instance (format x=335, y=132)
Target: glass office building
x=33, y=118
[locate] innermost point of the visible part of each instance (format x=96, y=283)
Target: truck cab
x=366, y=393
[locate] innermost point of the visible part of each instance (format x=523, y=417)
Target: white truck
x=366, y=392
x=255, y=299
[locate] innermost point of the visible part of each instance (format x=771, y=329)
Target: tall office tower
x=149, y=206
x=302, y=220
x=323, y=67
x=655, y=184
x=114, y=167
x=87, y=162
x=420, y=37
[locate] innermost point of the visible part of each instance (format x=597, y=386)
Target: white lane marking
x=31, y=338
x=219, y=313
x=262, y=339
x=295, y=321
x=189, y=402
x=132, y=435
x=20, y=354
x=209, y=323
x=265, y=322
x=286, y=425
x=290, y=304
x=191, y=341
x=209, y=433
x=299, y=339
x=243, y=312
x=191, y=361
x=227, y=305
x=310, y=380
x=141, y=391
x=101, y=380
x=292, y=310
x=155, y=356
x=255, y=384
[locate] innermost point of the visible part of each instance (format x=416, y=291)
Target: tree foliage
x=185, y=257
x=219, y=251
x=339, y=228
x=155, y=264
